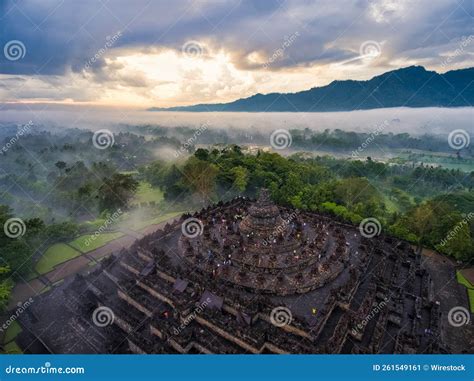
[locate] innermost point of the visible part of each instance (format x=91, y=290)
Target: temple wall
x=134, y=303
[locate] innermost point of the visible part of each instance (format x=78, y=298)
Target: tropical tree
x=116, y=191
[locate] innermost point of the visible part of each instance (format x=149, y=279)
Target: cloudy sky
x=165, y=53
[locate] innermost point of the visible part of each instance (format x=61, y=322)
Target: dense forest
x=418, y=204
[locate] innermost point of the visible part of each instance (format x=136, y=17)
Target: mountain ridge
x=413, y=86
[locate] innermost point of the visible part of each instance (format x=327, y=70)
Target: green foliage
x=401, y=198
x=6, y=286
x=400, y=229
x=341, y=211
x=116, y=191
x=15, y=253
x=358, y=193
x=351, y=190
x=146, y=193
x=154, y=173
x=61, y=231
x=460, y=245
x=200, y=177
x=241, y=176
x=470, y=288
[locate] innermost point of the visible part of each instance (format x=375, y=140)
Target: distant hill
x=413, y=86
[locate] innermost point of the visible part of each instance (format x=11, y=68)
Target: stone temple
x=245, y=276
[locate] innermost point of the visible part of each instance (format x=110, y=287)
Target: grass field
x=144, y=224
x=56, y=254
x=89, y=242
x=146, y=193
x=12, y=331
x=31, y=276
x=94, y=224
x=13, y=349
x=470, y=289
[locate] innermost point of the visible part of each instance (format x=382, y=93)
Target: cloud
x=251, y=45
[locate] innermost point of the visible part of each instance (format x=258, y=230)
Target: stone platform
x=301, y=283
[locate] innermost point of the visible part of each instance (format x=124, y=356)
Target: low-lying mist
x=416, y=121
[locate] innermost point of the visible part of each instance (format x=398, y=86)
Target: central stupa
x=263, y=219
x=262, y=247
